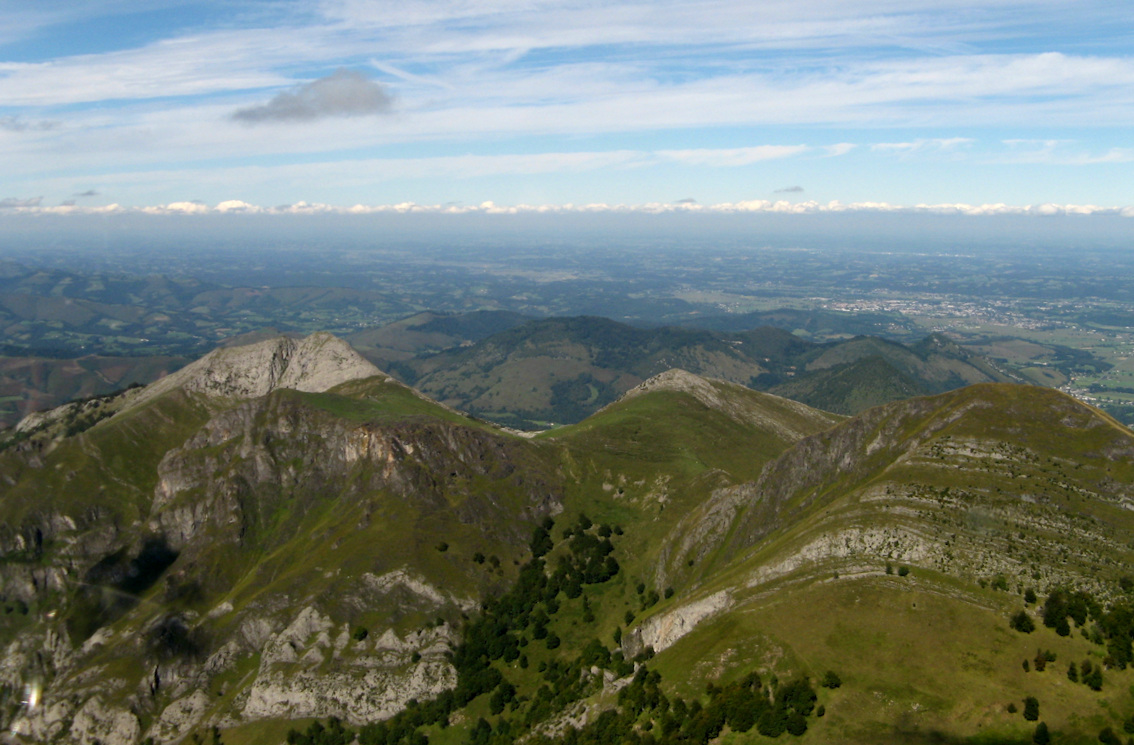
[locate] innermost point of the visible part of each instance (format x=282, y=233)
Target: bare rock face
x=314, y=364
x=665, y=629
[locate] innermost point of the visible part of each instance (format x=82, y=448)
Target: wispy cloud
x=342, y=93
x=18, y=124
x=1060, y=153
x=636, y=83
x=12, y=203
x=950, y=143
x=740, y=156
x=789, y=190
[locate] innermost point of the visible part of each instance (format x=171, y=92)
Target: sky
x=187, y=106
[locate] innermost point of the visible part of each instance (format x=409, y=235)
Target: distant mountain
x=59, y=314
x=29, y=384
x=558, y=370
x=280, y=533
x=429, y=333
x=817, y=324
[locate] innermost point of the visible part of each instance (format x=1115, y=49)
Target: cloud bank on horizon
x=959, y=106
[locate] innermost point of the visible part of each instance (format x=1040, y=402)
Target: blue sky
x=777, y=105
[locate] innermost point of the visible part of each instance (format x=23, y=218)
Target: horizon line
x=756, y=206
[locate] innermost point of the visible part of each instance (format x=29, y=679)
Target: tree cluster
x=505, y=626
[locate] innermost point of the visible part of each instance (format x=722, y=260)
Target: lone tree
x=1031, y=708
x=1022, y=622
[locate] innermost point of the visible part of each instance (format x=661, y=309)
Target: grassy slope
x=929, y=657
x=851, y=387
x=649, y=463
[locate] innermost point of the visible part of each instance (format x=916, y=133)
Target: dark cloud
x=12, y=203
x=87, y=193
x=343, y=93
x=687, y=200
x=16, y=124
x=789, y=190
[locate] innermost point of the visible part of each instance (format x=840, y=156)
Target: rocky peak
x=312, y=364
x=781, y=416
x=677, y=380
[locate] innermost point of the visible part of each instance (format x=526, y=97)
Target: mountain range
x=533, y=373
x=283, y=542
x=524, y=372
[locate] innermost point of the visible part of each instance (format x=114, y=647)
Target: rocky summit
x=281, y=543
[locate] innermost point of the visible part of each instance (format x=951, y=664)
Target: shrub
x=1041, y=736
x=359, y=633
x=831, y=680
x=1022, y=622
x=1073, y=673
x=442, y=546
x=903, y=570
x=1107, y=737
x=1094, y=679
x=1031, y=708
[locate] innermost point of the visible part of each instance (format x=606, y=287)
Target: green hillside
x=895, y=548
x=560, y=370
x=695, y=562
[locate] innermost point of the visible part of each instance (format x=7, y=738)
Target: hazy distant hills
x=560, y=370
x=280, y=532
x=532, y=373
x=61, y=314
x=30, y=384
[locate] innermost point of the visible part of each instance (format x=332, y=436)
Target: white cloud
x=237, y=207
x=841, y=148
x=950, y=143
x=726, y=157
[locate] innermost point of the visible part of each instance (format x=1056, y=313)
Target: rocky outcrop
x=787, y=419
x=665, y=629
x=316, y=363
x=251, y=459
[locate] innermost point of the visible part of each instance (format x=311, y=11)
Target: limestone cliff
x=315, y=363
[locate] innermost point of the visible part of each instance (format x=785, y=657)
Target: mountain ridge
x=235, y=552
